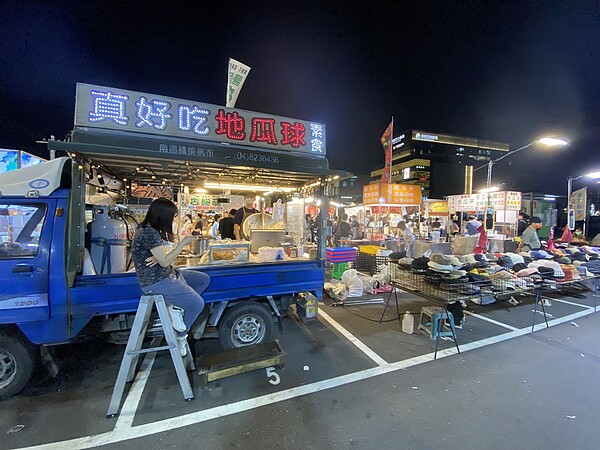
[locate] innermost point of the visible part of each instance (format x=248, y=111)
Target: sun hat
x=527, y=272
x=455, y=274
x=444, y=268
x=439, y=258
x=469, y=259
x=501, y=275
x=455, y=261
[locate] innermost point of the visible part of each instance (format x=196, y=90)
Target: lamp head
x=552, y=142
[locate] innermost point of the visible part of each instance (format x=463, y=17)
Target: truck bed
x=118, y=293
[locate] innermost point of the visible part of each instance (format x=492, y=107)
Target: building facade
x=442, y=164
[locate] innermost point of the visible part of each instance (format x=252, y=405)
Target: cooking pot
x=199, y=246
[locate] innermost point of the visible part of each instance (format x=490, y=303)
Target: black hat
x=420, y=263
x=546, y=272
x=395, y=256
x=536, y=219
x=519, y=266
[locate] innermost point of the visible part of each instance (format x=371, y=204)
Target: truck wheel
x=16, y=365
x=246, y=324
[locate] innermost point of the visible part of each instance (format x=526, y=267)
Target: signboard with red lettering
x=503, y=200
x=124, y=110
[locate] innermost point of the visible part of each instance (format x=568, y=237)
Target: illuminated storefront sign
x=120, y=109
x=392, y=194
x=438, y=208
x=426, y=137
x=503, y=200
x=458, y=141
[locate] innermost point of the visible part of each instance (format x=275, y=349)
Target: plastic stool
x=430, y=318
x=338, y=269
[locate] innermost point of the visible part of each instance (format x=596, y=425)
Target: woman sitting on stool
x=155, y=271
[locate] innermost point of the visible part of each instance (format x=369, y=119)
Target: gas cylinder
x=108, y=242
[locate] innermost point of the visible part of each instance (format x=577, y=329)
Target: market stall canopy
x=140, y=158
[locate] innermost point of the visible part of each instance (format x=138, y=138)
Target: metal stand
x=394, y=291
x=440, y=326
x=539, y=298
x=134, y=350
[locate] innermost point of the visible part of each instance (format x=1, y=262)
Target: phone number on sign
x=256, y=157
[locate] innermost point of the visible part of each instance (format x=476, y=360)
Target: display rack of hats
x=484, y=278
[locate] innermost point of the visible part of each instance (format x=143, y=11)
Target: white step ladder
x=134, y=350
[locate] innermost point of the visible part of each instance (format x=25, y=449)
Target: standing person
x=354, y=227
x=240, y=218
x=408, y=236
x=309, y=224
x=449, y=228
x=335, y=231
x=155, y=271
x=197, y=231
x=344, y=228
x=204, y=221
x=530, y=239
x=226, y=225
x=472, y=226
x=522, y=223
x=214, y=229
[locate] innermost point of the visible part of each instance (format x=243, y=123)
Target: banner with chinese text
x=124, y=110
x=578, y=203
x=503, y=200
x=236, y=76
x=392, y=194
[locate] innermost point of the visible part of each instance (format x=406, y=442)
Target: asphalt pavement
x=348, y=381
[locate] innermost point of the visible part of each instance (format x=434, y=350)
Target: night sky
x=505, y=71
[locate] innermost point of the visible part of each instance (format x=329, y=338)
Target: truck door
x=25, y=236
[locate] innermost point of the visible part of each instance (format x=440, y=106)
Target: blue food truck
x=46, y=297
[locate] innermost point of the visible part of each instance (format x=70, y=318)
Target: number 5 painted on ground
x=271, y=373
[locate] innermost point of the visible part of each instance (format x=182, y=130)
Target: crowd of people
x=216, y=226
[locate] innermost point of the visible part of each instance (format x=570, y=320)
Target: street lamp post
x=550, y=142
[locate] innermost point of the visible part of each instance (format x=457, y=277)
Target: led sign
x=120, y=109
x=426, y=137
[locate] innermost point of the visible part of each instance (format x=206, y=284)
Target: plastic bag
x=336, y=289
x=266, y=254
x=354, y=283
x=368, y=283
x=383, y=276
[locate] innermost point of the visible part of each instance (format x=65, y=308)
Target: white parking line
x=127, y=413
x=487, y=319
x=566, y=302
x=353, y=339
x=268, y=399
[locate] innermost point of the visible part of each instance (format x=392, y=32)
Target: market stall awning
x=150, y=159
